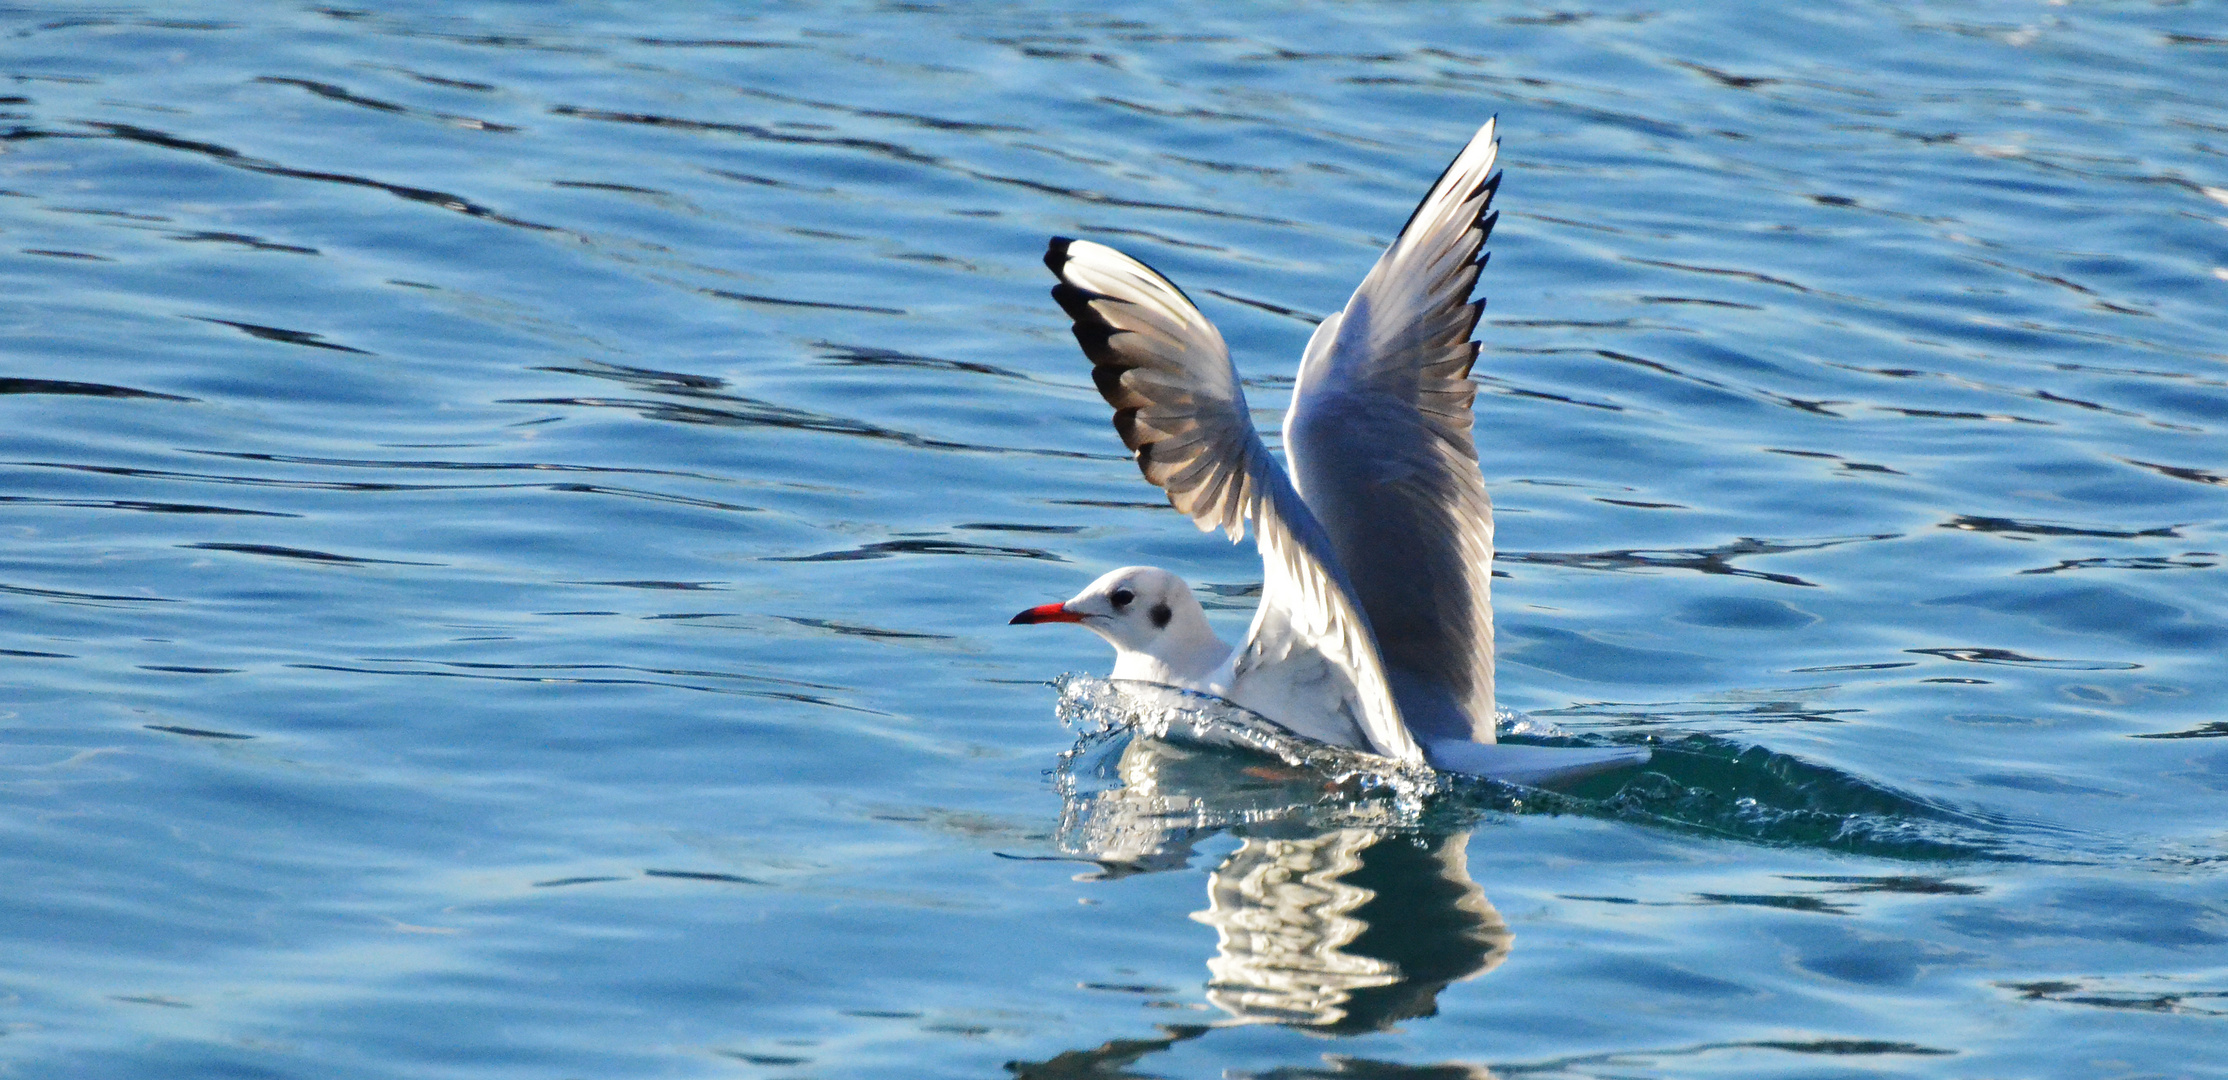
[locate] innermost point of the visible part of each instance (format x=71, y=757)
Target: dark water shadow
x=1714, y=786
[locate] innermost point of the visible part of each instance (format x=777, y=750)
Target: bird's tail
x=1532, y=766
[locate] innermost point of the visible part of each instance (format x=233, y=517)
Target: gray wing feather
x=1380, y=446
x=1178, y=404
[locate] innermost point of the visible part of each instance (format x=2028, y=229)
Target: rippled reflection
x=1321, y=920
x=1346, y=931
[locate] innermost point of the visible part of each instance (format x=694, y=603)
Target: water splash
x=1155, y=768
x=1096, y=707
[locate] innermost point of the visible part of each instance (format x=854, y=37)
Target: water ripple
x=1755, y=307
x=229, y=156
x=1711, y=560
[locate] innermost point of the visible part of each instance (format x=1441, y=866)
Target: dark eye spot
x=1122, y=597
x=1161, y=615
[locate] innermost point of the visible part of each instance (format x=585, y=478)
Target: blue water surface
x=510, y=512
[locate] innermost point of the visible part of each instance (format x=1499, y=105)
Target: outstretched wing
x=1178, y=404
x=1379, y=441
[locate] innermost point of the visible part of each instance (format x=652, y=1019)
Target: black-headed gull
x=1375, y=628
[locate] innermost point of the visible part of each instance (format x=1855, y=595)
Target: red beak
x=1045, y=613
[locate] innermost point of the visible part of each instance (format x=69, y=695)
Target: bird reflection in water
x=1348, y=931
x=1336, y=914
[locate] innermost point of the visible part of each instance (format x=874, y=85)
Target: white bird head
x=1158, y=630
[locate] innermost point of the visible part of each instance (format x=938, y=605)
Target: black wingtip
x=1076, y=301
x=1492, y=183
x=1056, y=253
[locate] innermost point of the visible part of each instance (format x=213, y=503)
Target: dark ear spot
x=1161, y=615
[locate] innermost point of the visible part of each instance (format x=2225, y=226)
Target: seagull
x=1375, y=626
